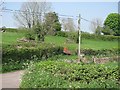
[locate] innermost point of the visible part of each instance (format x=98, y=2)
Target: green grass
x=10, y=38
x=86, y=43
x=94, y=44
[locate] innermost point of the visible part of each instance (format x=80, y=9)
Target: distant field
x=10, y=38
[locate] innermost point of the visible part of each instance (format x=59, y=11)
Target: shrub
x=13, y=55
x=61, y=33
x=10, y=30
x=30, y=35
x=22, y=30
x=104, y=52
x=24, y=53
x=55, y=74
x=74, y=36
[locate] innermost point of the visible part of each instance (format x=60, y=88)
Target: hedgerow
x=55, y=74
x=13, y=57
x=104, y=52
x=74, y=36
x=23, y=30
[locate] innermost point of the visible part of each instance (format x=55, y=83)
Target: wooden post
x=79, y=33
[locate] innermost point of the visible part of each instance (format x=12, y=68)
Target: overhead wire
x=60, y=15
x=2, y=3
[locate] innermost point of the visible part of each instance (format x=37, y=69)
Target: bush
x=21, y=54
x=61, y=33
x=16, y=30
x=104, y=52
x=74, y=36
x=100, y=37
x=30, y=35
x=55, y=74
x=12, y=54
x=10, y=30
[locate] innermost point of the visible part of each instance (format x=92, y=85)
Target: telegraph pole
x=79, y=34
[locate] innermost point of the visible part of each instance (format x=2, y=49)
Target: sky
x=88, y=10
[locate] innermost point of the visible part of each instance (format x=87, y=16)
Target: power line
x=60, y=15
x=10, y=10
x=2, y=3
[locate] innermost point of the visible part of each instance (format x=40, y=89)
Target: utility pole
x=79, y=34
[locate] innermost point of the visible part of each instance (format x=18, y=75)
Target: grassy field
x=10, y=38
x=86, y=43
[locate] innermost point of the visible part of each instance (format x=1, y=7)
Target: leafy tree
x=39, y=32
x=107, y=31
x=51, y=23
x=112, y=21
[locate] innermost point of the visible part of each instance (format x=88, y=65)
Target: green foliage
x=57, y=26
x=13, y=65
x=30, y=35
x=39, y=32
x=100, y=37
x=104, y=52
x=51, y=24
x=88, y=40
x=74, y=36
x=107, y=31
x=36, y=33
x=55, y=74
x=70, y=35
x=112, y=21
x=98, y=30
x=14, y=55
x=16, y=30
x=24, y=53
x=10, y=29
x=61, y=33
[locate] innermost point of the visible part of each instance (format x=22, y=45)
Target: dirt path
x=11, y=80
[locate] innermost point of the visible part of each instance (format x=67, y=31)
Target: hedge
x=74, y=36
x=55, y=74
x=100, y=37
x=27, y=53
x=17, y=30
x=104, y=52
x=14, y=58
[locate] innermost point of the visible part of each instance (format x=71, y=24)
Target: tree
x=68, y=24
x=107, y=31
x=95, y=25
x=39, y=32
x=113, y=22
x=98, y=30
x=31, y=13
x=51, y=23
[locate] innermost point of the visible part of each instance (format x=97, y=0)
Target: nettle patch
x=56, y=74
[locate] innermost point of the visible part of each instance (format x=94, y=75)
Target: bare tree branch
x=96, y=22
x=32, y=13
